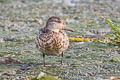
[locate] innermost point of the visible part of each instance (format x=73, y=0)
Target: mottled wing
x=52, y=43
x=61, y=41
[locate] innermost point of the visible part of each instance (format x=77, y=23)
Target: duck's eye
x=57, y=21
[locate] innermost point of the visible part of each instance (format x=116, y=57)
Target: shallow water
x=83, y=61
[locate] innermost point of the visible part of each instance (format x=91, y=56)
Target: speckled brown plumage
x=52, y=40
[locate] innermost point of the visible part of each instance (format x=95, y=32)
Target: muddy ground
x=19, y=58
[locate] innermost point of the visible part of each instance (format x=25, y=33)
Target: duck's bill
x=68, y=29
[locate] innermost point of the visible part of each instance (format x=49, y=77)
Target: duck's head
x=56, y=24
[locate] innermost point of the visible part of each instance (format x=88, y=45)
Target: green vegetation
x=115, y=27
x=46, y=78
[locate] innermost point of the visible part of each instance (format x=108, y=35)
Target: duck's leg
x=43, y=59
x=62, y=58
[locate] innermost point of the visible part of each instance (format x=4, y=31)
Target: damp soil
x=19, y=58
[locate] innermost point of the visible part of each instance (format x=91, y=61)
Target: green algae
x=46, y=78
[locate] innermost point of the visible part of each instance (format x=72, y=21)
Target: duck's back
x=52, y=43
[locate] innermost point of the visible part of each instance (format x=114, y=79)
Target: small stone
x=41, y=75
x=1, y=40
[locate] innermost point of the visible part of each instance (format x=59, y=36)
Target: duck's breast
x=52, y=43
